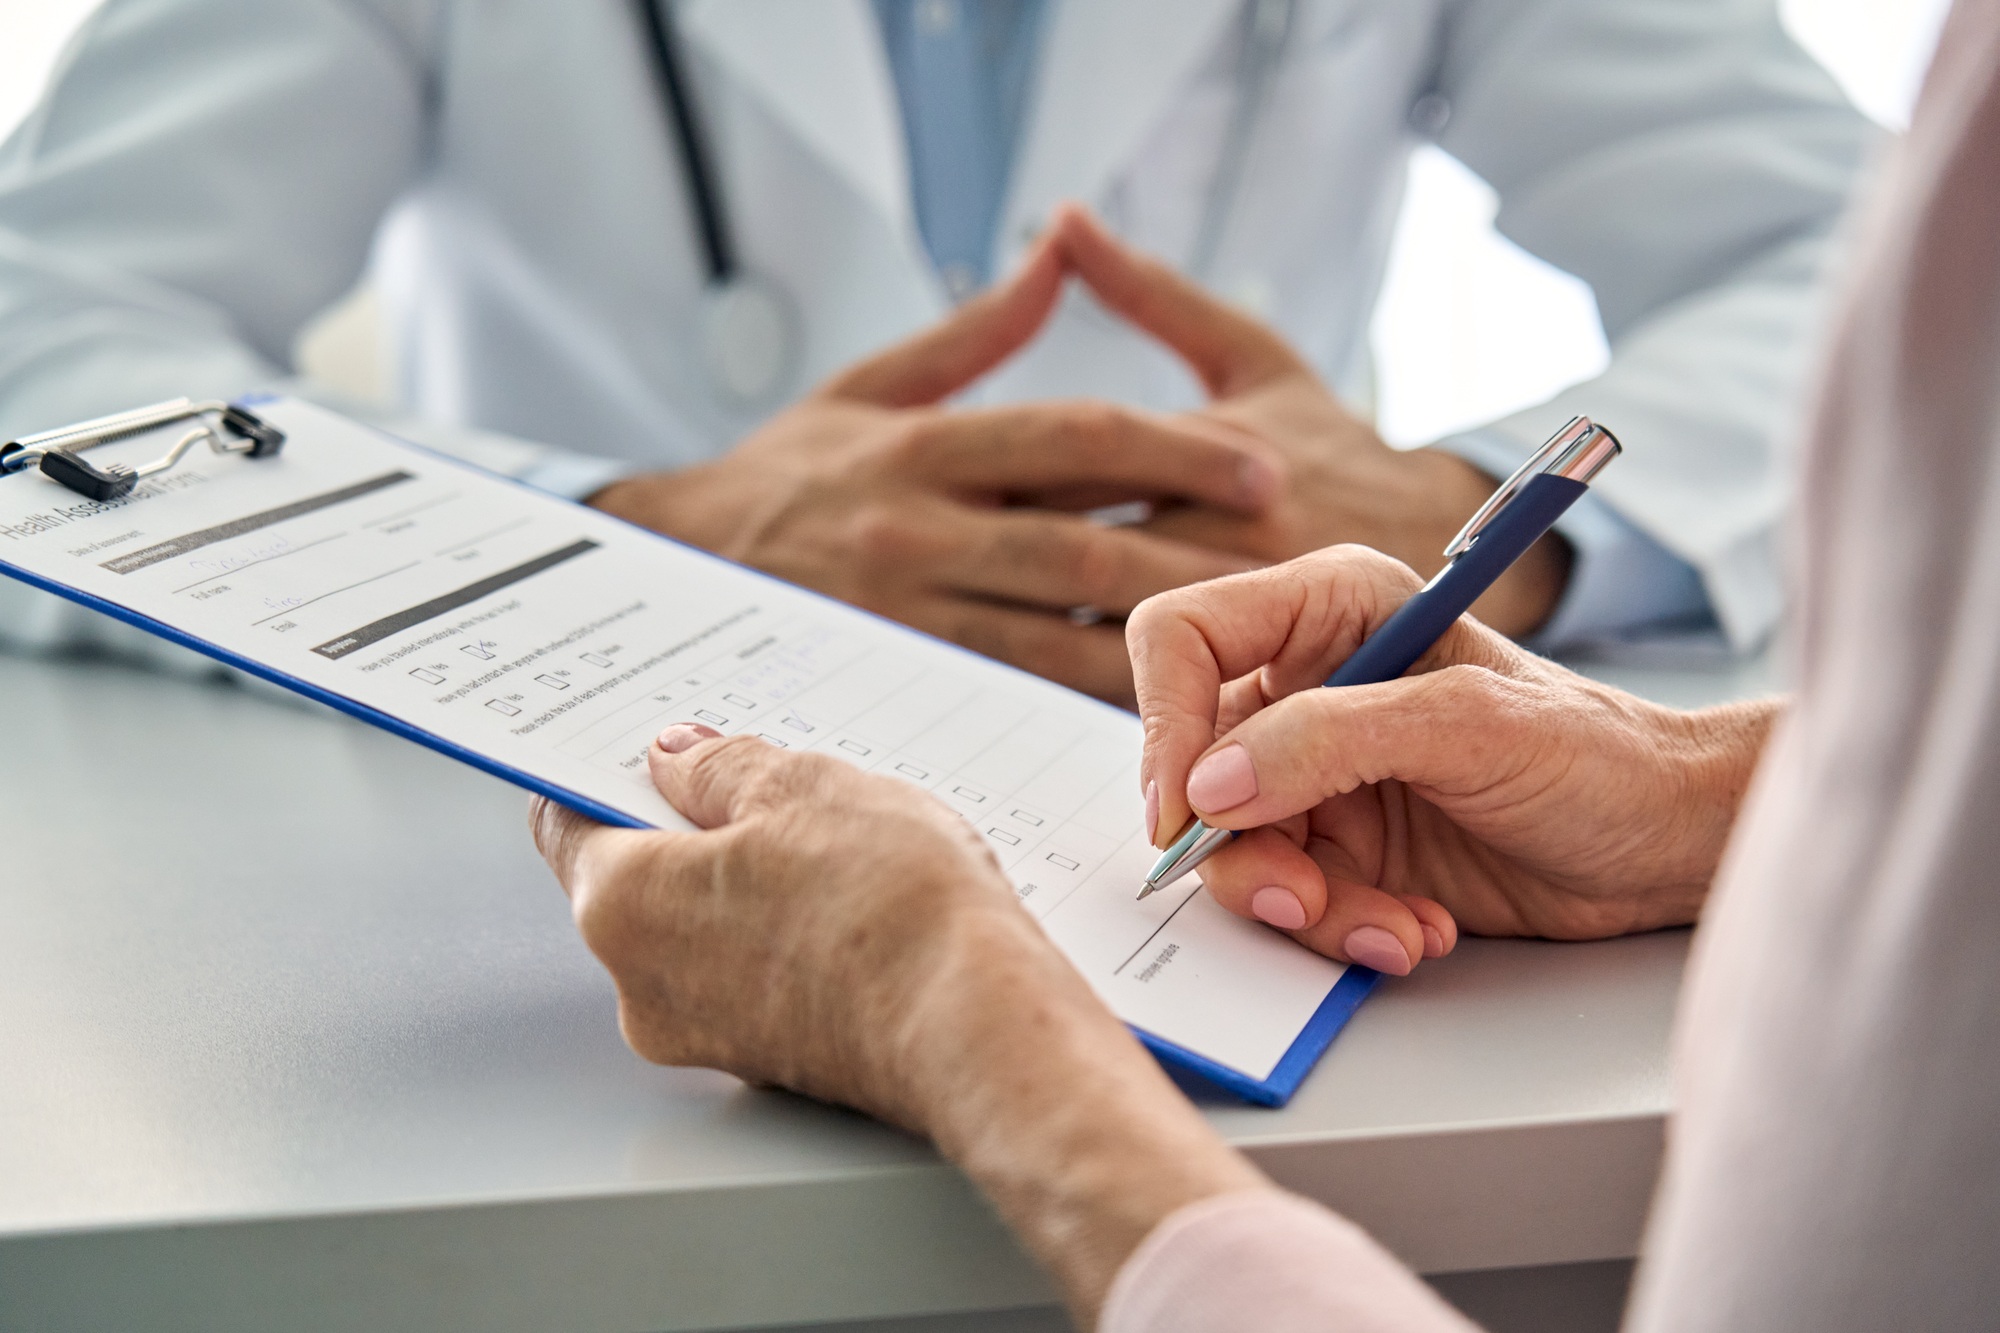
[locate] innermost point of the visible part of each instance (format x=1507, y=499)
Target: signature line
x=267, y=559
x=323, y=596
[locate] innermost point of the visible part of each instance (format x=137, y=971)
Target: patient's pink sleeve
x=1271, y=1262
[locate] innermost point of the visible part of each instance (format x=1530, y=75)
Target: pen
x=1513, y=518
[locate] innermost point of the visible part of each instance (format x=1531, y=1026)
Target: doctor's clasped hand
x=551, y=241
x=947, y=519
x=952, y=519
x=1343, y=483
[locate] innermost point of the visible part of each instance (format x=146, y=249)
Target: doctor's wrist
x=691, y=505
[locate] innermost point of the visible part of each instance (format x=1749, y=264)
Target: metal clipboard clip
x=229, y=429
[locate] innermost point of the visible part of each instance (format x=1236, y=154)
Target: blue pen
x=1514, y=518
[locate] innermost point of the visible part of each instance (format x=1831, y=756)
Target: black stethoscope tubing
x=684, y=123
x=751, y=328
x=742, y=304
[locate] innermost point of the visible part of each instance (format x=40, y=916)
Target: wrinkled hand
x=869, y=491
x=1342, y=483
x=848, y=937
x=804, y=940
x=1489, y=790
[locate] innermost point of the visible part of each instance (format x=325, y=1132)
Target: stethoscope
x=750, y=327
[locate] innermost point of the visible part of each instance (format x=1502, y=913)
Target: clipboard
x=461, y=664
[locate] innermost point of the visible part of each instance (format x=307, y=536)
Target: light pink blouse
x=1835, y=1161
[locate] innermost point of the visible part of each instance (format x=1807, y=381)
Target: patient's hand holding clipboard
x=548, y=644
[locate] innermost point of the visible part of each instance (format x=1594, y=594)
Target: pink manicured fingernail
x=1223, y=781
x=1372, y=946
x=685, y=735
x=1433, y=942
x=1153, y=812
x=1278, y=907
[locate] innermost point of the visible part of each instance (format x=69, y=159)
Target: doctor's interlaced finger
x=1057, y=561
x=931, y=365
x=1029, y=450
x=1343, y=482
x=1230, y=351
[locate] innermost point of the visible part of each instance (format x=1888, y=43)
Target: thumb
x=1229, y=350
x=1262, y=634
x=716, y=780
x=978, y=336
x=1451, y=734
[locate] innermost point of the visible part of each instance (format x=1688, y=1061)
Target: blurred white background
x=1470, y=326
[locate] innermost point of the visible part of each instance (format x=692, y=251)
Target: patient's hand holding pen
x=1513, y=519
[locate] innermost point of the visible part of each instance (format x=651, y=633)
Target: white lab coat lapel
x=820, y=67
x=1107, y=71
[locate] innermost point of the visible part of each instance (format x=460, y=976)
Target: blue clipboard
x=1275, y=1090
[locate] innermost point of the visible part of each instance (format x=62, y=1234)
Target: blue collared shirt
x=962, y=70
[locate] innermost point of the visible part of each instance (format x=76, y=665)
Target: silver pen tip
x=1147, y=888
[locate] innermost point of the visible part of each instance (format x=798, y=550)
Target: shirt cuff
x=573, y=476
x=1270, y=1261
x=1623, y=585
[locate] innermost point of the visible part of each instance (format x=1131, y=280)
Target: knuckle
x=912, y=441
x=782, y=779
x=728, y=753
x=1145, y=621
x=1189, y=605
x=1351, y=560
x=1090, y=419
x=1029, y=549
x=722, y=767
x=987, y=635
x=1161, y=732
x=607, y=917
x=1099, y=427
x=1094, y=564
x=742, y=859
x=1321, y=739
x=1095, y=567
x=814, y=777
x=1471, y=685
x=884, y=535
x=1109, y=429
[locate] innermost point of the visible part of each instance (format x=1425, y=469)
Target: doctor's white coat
x=206, y=175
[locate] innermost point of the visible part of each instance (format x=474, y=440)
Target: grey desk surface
x=294, y=1032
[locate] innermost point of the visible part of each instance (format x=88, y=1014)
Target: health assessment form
x=556, y=642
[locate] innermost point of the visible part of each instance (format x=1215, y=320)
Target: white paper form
x=556, y=642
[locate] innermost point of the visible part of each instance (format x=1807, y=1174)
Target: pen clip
x=1578, y=451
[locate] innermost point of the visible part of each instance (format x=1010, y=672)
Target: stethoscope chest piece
x=750, y=339
x=750, y=328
